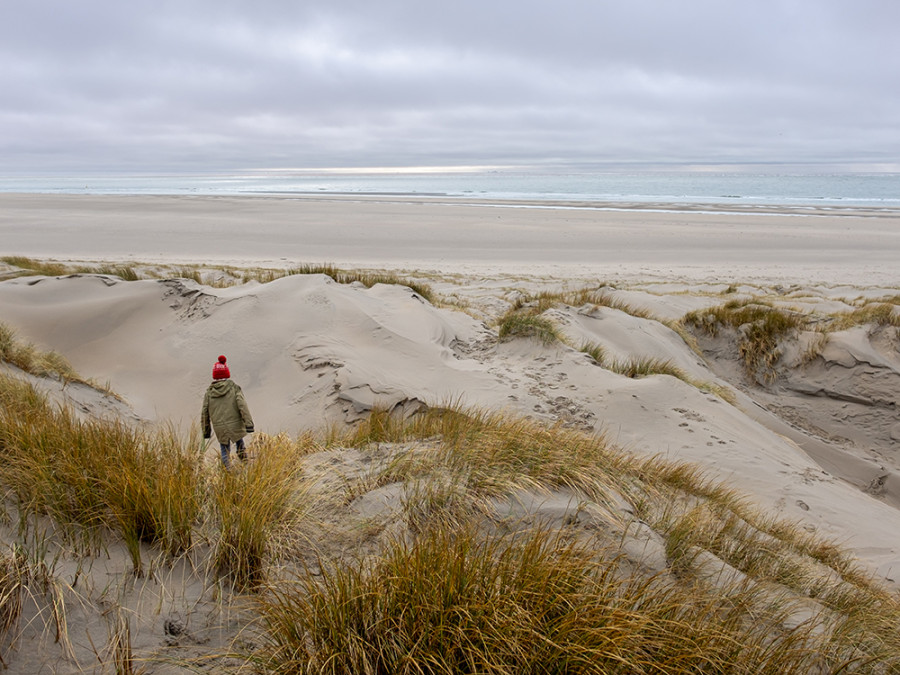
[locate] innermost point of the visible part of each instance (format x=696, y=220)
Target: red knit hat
x=220, y=370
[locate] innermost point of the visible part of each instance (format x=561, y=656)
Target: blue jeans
x=226, y=451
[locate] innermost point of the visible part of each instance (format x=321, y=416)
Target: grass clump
x=190, y=273
x=32, y=267
x=645, y=366
x=635, y=367
x=124, y=272
x=760, y=325
x=877, y=313
x=367, y=279
x=12, y=598
x=457, y=601
x=595, y=351
x=518, y=323
x=27, y=357
x=254, y=503
x=89, y=476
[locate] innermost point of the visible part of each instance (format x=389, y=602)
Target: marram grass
x=761, y=327
x=91, y=475
x=32, y=267
x=516, y=324
x=645, y=366
x=448, y=594
x=26, y=356
x=254, y=504
x=228, y=276
x=787, y=570
x=877, y=313
x=458, y=601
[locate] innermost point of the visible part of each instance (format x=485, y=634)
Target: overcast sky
x=201, y=84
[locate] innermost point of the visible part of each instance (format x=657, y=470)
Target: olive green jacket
x=226, y=410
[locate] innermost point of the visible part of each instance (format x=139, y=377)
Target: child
x=226, y=410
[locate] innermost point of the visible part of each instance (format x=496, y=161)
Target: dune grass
x=92, y=475
x=33, y=267
x=253, y=505
x=28, y=357
x=496, y=451
x=455, y=601
x=595, y=351
x=635, y=367
x=876, y=313
x=461, y=598
x=450, y=594
x=367, y=279
x=519, y=324
x=30, y=266
x=233, y=276
x=638, y=366
x=761, y=327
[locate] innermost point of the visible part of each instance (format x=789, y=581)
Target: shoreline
x=824, y=207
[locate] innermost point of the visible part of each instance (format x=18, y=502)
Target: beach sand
x=612, y=241
x=816, y=445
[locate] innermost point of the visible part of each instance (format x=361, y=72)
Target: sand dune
x=310, y=352
x=815, y=441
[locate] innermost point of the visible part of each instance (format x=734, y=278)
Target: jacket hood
x=220, y=387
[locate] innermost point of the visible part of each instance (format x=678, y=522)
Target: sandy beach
x=794, y=245
x=814, y=440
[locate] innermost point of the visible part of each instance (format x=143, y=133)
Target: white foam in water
x=820, y=190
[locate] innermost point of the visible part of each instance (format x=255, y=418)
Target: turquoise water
x=875, y=189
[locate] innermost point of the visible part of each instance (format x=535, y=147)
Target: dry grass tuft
x=255, y=506
x=760, y=325
x=519, y=323
x=876, y=313
x=645, y=366
x=89, y=476
x=457, y=600
x=29, y=266
x=29, y=358
x=32, y=267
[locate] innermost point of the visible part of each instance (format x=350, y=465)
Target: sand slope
x=309, y=352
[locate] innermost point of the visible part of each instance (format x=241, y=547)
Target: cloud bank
x=102, y=85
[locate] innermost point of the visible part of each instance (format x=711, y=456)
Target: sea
x=822, y=190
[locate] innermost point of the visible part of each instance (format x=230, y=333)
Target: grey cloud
x=216, y=85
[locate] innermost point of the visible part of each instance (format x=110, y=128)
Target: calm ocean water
x=858, y=189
